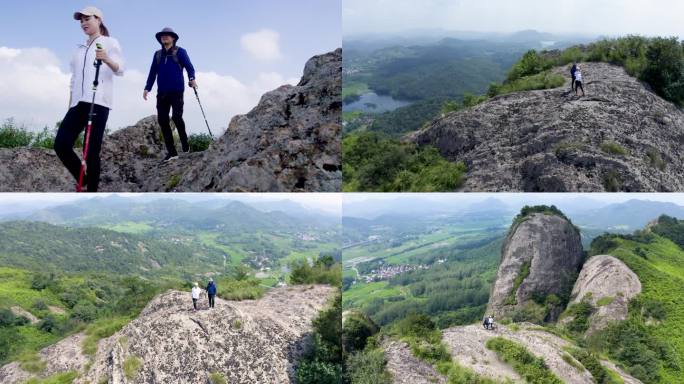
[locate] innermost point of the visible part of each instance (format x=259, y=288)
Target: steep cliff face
x=289, y=142
x=619, y=137
x=252, y=341
x=541, y=256
x=608, y=285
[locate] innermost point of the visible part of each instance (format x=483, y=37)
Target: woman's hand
x=101, y=54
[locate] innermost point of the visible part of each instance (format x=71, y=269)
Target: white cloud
x=262, y=45
x=37, y=93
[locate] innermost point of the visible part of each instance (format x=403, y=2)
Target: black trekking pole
x=202, y=109
x=98, y=63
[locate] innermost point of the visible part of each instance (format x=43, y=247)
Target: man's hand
x=192, y=84
x=145, y=94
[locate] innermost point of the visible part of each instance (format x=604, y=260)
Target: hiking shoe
x=185, y=148
x=169, y=157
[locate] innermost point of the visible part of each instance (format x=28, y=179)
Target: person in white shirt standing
x=196, y=292
x=82, y=77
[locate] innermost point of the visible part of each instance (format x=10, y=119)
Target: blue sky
x=215, y=33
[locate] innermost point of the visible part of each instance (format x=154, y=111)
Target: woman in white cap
x=196, y=292
x=98, y=46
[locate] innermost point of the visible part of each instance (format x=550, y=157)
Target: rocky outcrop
x=467, y=347
x=289, y=142
x=406, y=368
x=66, y=355
x=619, y=137
x=608, y=284
x=252, y=341
x=540, y=256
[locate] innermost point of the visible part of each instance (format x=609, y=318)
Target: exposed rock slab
x=406, y=368
x=550, y=140
x=467, y=347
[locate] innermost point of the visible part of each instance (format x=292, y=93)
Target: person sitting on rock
x=196, y=292
x=578, y=80
x=167, y=68
x=211, y=291
x=572, y=75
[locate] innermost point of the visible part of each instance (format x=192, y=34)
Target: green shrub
x=217, y=378
x=373, y=162
x=173, y=182
x=614, y=148
x=531, y=368
x=131, y=367
x=58, y=378
x=450, y=106
x=591, y=362
x=612, y=182
x=522, y=275
x=367, y=367
x=604, y=301
x=100, y=329
x=580, y=313
x=199, y=142
x=44, y=139
x=356, y=330
x=318, y=273
x=545, y=80
x=229, y=289
x=655, y=159
x=13, y=136
x=8, y=319
x=323, y=363
x=31, y=362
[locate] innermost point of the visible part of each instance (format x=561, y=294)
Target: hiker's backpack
x=174, y=56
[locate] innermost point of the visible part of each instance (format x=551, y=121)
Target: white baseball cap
x=88, y=11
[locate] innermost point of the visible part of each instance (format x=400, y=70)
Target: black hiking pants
x=572, y=83
x=578, y=85
x=194, y=303
x=171, y=102
x=211, y=301
x=72, y=125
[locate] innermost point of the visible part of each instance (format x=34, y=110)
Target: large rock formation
x=289, y=142
x=619, y=137
x=608, y=284
x=467, y=345
x=540, y=256
x=252, y=341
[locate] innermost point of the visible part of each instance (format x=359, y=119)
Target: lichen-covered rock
x=467, y=345
x=405, y=368
x=608, y=284
x=619, y=137
x=540, y=256
x=251, y=341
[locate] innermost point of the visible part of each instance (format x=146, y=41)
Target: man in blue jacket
x=211, y=291
x=167, y=68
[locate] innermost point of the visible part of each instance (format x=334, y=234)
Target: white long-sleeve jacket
x=196, y=291
x=83, y=72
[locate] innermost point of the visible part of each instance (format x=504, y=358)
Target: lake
x=374, y=103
